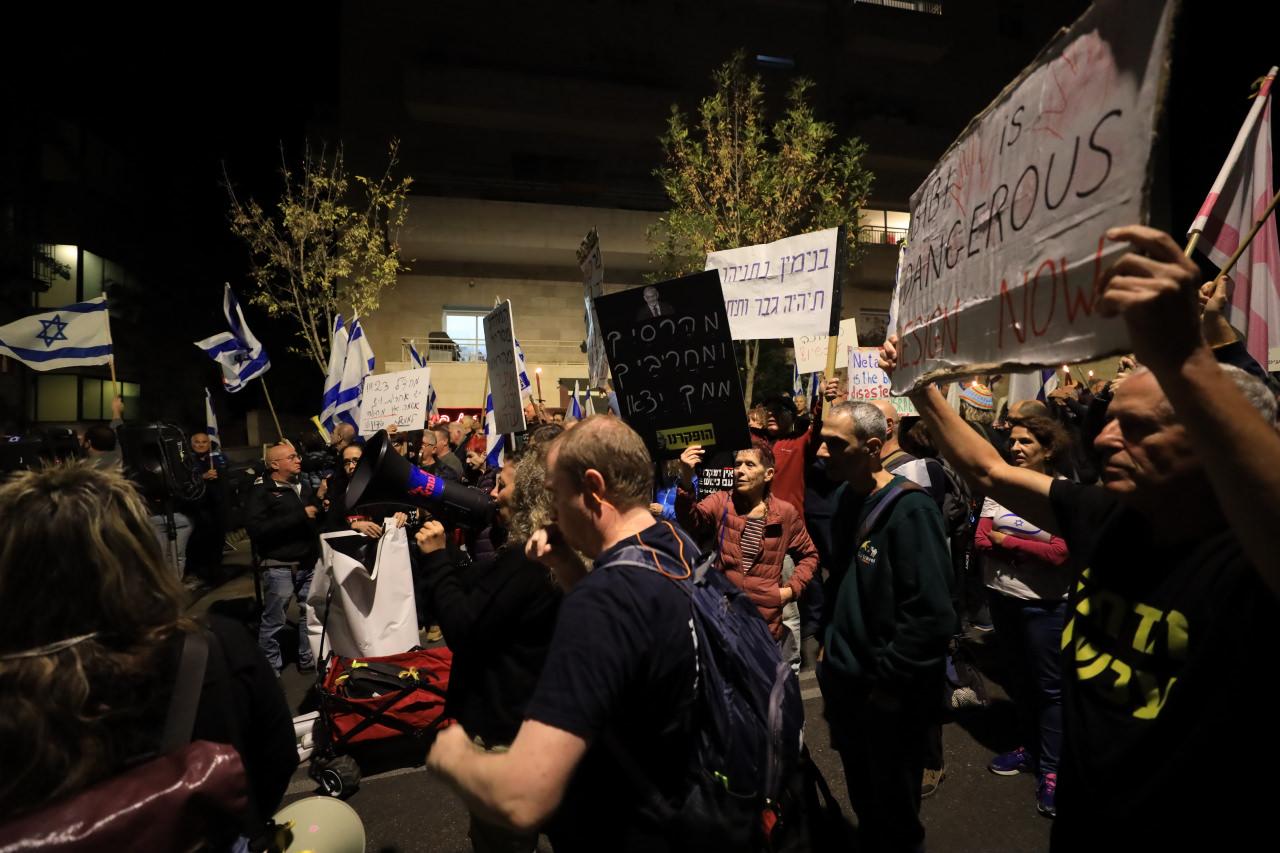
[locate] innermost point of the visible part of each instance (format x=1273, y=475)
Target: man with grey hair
x=1177, y=582
x=885, y=630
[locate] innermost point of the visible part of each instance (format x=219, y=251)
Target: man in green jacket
x=889, y=618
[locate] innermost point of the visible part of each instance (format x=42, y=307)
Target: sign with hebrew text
x=782, y=289
x=674, y=366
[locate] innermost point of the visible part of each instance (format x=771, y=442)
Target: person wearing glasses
x=282, y=524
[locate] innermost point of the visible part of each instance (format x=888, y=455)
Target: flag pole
x=271, y=406
x=1257, y=226
x=1191, y=243
x=111, y=362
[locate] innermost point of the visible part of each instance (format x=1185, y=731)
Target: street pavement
x=406, y=810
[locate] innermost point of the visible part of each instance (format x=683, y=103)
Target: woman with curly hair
x=497, y=611
x=91, y=634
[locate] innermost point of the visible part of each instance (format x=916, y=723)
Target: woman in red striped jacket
x=753, y=531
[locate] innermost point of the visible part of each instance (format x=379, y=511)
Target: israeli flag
x=71, y=336
x=590, y=408
x=797, y=388
x=359, y=364
x=526, y=390
x=238, y=352
x=211, y=424
x=494, y=442
x=333, y=377
x=418, y=360
x=575, y=409
x=1033, y=385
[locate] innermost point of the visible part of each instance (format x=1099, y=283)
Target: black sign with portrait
x=673, y=365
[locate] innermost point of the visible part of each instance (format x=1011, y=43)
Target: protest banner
x=867, y=382
x=395, y=398
x=811, y=352
x=593, y=287
x=1006, y=244
x=783, y=289
x=673, y=364
x=504, y=372
x=714, y=478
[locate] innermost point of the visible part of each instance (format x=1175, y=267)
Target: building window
x=62, y=291
x=884, y=227
x=465, y=330
x=91, y=272
x=64, y=397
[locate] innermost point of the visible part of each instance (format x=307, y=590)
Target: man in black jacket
x=282, y=524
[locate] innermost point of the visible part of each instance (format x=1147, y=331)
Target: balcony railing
x=910, y=5
x=881, y=236
x=439, y=348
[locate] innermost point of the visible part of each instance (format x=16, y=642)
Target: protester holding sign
x=1177, y=586
x=752, y=531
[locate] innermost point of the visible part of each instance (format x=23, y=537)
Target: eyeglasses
x=350, y=462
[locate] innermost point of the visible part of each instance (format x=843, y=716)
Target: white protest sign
x=779, y=290
x=1007, y=233
x=395, y=398
x=811, y=353
x=868, y=382
x=593, y=287
x=504, y=374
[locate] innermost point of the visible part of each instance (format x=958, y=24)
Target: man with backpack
x=887, y=624
x=608, y=735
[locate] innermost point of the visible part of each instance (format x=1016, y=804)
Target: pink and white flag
x=1239, y=196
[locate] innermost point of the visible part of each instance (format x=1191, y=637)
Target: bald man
x=1023, y=409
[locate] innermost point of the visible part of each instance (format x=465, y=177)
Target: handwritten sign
x=811, y=353
x=673, y=364
x=504, y=372
x=782, y=289
x=867, y=382
x=1006, y=244
x=593, y=287
x=395, y=398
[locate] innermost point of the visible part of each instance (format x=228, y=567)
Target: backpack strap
x=181, y=717
x=891, y=496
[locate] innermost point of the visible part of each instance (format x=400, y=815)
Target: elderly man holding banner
x=1176, y=580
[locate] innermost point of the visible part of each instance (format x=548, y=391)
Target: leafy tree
x=324, y=248
x=735, y=181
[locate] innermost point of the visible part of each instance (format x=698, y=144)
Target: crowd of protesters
x=1120, y=536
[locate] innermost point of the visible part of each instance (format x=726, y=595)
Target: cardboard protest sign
x=504, y=373
x=783, y=289
x=1007, y=242
x=673, y=364
x=395, y=398
x=593, y=287
x=867, y=382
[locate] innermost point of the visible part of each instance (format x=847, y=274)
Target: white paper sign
x=868, y=382
x=1006, y=243
x=779, y=290
x=504, y=374
x=811, y=353
x=592, y=287
x=395, y=398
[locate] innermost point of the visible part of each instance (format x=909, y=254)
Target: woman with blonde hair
x=91, y=635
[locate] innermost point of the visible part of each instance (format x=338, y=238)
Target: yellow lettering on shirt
x=1145, y=643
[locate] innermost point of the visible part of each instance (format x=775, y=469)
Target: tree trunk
x=752, y=350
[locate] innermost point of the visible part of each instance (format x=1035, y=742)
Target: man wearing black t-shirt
x=1174, y=600
x=613, y=702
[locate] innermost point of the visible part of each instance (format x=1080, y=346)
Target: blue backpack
x=747, y=725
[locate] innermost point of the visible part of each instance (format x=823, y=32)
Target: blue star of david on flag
x=58, y=333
